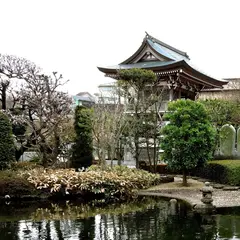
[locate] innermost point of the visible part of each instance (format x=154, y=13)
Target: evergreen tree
x=7, y=148
x=82, y=149
x=188, y=138
x=144, y=98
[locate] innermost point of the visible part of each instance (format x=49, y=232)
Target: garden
x=36, y=116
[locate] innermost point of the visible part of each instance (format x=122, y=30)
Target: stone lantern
x=207, y=207
x=207, y=191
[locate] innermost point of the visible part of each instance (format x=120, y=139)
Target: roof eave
x=136, y=53
x=214, y=82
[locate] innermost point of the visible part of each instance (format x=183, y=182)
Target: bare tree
x=43, y=109
x=108, y=124
x=12, y=67
x=36, y=103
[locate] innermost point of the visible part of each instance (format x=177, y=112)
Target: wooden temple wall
x=225, y=94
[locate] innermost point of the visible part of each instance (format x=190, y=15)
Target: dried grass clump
x=119, y=182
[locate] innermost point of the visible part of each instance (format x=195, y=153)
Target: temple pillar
x=171, y=94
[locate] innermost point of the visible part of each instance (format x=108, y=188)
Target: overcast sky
x=73, y=37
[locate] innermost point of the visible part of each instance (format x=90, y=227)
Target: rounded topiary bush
x=7, y=149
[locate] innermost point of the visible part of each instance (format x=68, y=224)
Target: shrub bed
x=221, y=171
x=13, y=184
x=119, y=183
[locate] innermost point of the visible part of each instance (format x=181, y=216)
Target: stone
x=218, y=186
x=204, y=208
x=195, y=178
x=207, y=194
x=238, y=142
x=203, y=180
x=227, y=141
x=166, y=179
x=173, y=206
x=230, y=188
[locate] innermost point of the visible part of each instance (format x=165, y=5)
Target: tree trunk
x=56, y=148
x=155, y=155
x=43, y=149
x=4, y=97
x=136, y=151
x=103, y=160
x=119, y=155
x=112, y=155
x=149, y=155
x=184, y=177
x=44, y=158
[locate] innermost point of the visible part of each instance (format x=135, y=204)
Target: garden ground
x=223, y=195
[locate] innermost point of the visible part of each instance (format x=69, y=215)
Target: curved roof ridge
x=148, y=36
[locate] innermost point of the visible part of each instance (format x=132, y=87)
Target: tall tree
x=222, y=112
x=188, y=138
x=12, y=68
x=144, y=100
x=37, y=108
x=108, y=124
x=6, y=142
x=82, y=149
x=44, y=109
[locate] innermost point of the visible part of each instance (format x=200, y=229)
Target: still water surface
x=145, y=219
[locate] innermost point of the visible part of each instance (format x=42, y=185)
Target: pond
x=147, y=218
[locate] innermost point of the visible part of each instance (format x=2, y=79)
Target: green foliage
x=24, y=165
x=221, y=171
x=14, y=185
x=7, y=149
x=136, y=77
x=189, y=137
x=143, y=94
x=82, y=148
x=222, y=112
x=35, y=159
x=19, y=129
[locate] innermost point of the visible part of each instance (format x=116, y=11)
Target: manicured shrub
x=7, y=149
x=221, y=171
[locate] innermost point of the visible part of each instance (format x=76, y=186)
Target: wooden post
x=171, y=94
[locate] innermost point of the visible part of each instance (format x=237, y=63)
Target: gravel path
x=192, y=194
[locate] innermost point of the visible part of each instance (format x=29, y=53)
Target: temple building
x=172, y=67
x=230, y=91
x=174, y=72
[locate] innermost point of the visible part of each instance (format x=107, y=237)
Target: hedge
x=221, y=171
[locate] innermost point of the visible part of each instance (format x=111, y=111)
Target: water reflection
x=147, y=219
